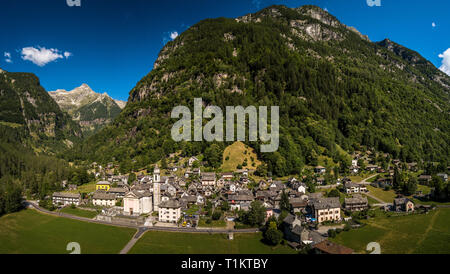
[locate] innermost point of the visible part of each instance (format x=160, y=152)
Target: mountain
x=29, y=114
x=90, y=109
x=120, y=103
x=417, y=62
x=336, y=90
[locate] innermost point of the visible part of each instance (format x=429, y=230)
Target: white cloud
x=67, y=54
x=42, y=56
x=8, y=58
x=445, y=61
x=173, y=35
x=325, y=9
x=169, y=36
x=433, y=24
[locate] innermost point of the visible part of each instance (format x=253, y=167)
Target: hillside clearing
x=236, y=154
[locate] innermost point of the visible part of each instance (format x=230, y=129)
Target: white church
x=137, y=202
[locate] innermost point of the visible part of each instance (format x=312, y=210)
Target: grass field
x=425, y=189
x=358, y=178
x=386, y=196
x=79, y=212
x=30, y=232
x=236, y=156
x=218, y=223
x=185, y=243
x=371, y=200
x=414, y=234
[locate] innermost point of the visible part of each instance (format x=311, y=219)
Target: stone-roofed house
x=412, y=166
x=262, y=184
x=372, y=168
x=320, y=181
x=316, y=195
x=192, y=160
x=118, y=191
x=298, y=204
x=66, y=199
x=240, y=201
x=300, y=187
x=277, y=186
x=425, y=179
x=72, y=187
x=356, y=203
x=296, y=233
x=351, y=187
x=190, y=199
x=327, y=247
x=101, y=198
x=320, y=169
x=209, y=179
x=326, y=209
x=169, y=211
x=103, y=185
x=264, y=195
x=227, y=175
x=181, y=182
x=403, y=204
x=443, y=176
x=196, y=172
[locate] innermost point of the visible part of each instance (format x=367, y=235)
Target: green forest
x=345, y=91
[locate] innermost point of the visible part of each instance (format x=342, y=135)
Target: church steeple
x=156, y=174
x=156, y=188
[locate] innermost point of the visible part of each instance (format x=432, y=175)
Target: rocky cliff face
x=90, y=109
x=25, y=105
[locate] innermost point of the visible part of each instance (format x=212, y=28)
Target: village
x=199, y=200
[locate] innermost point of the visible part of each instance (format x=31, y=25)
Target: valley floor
x=187, y=243
x=414, y=234
x=32, y=232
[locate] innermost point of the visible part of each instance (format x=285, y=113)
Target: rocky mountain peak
x=92, y=110
x=120, y=103
x=319, y=14
x=409, y=55
x=84, y=88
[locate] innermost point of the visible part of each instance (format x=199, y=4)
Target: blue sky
x=112, y=44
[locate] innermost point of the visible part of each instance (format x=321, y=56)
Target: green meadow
x=412, y=234
x=154, y=242
x=31, y=232
x=79, y=212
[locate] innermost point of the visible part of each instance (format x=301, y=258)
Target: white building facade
x=136, y=203
x=169, y=211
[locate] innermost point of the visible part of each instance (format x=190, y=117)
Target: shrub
x=216, y=215
x=347, y=227
x=332, y=233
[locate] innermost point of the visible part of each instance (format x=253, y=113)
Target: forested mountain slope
x=332, y=84
x=26, y=106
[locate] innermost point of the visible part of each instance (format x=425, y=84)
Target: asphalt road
x=141, y=228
